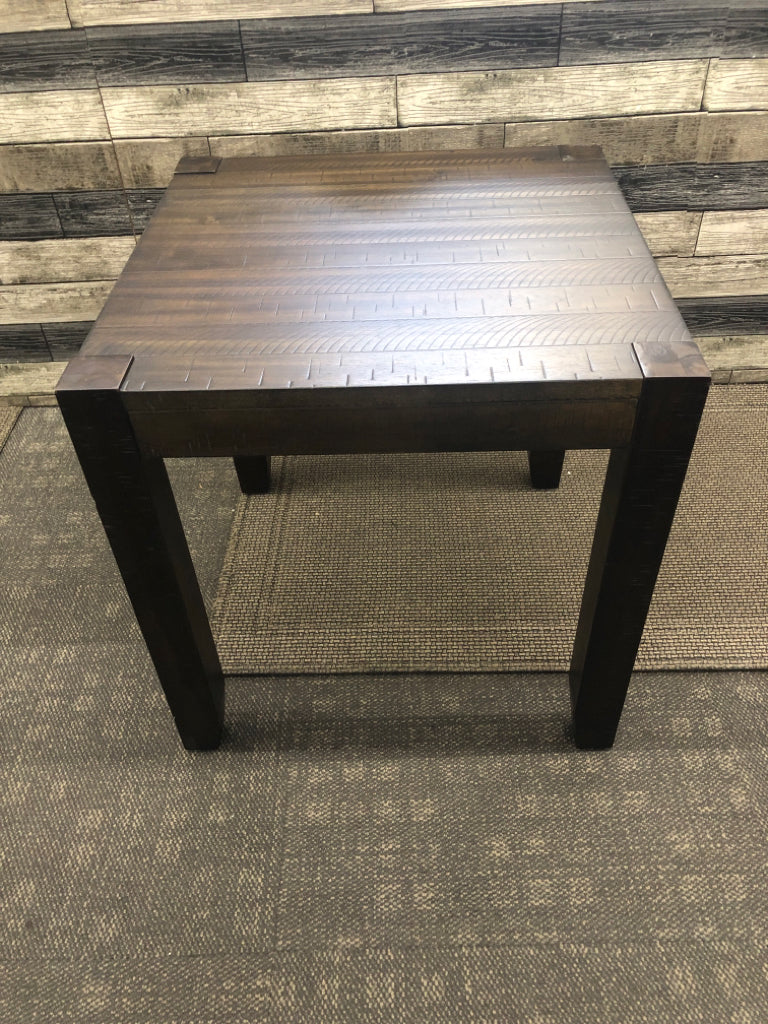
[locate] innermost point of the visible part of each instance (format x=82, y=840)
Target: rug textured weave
x=453, y=563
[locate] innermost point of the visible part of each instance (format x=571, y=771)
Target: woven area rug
x=453, y=563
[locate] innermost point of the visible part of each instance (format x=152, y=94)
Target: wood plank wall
x=100, y=98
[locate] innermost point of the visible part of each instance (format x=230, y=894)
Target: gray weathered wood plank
x=23, y=343
x=29, y=217
x=58, y=167
x=737, y=85
x=185, y=53
x=695, y=186
x=63, y=259
x=65, y=340
x=383, y=6
x=32, y=61
x=747, y=314
x=423, y=41
x=89, y=214
x=55, y=116
x=746, y=32
x=637, y=30
x=551, y=93
x=165, y=110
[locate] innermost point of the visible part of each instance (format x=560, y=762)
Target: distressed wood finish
x=715, y=275
x=631, y=30
x=161, y=54
x=52, y=167
x=63, y=260
x=733, y=138
x=401, y=44
x=727, y=233
x=23, y=343
x=90, y=214
x=477, y=300
x=24, y=303
x=45, y=60
x=150, y=163
x=651, y=139
x=674, y=233
x=737, y=85
x=600, y=90
x=32, y=15
x=241, y=107
x=55, y=116
x=741, y=186
x=388, y=140
x=29, y=217
x=706, y=316
x=129, y=12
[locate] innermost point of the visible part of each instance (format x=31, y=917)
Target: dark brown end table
x=480, y=300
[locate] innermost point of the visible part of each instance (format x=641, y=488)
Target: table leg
x=545, y=468
x=253, y=473
x=135, y=502
x=642, y=487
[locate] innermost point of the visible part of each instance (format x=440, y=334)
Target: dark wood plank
x=183, y=53
x=33, y=61
x=641, y=30
x=400, y=43
x=65, y=340
x=29, y=217
x=137, y=508
x=93, y=214
x=746, y=30
x=641, y=492
x=742, y=186
x=23, y=343
x=142, y=203
x=742, y=314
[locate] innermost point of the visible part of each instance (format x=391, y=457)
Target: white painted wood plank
x=649, y=139
x=671, y=233
x=64, y=259
x=32, y=15
x=713, y=276
x=130, y=12
x=53, y=303
x=737, y=85
x=246, y=107
x=733, y=232
x=55, y=116
x=551, y=93
x=150, y=163
x=387, y=140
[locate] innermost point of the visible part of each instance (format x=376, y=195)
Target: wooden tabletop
x=382, y=270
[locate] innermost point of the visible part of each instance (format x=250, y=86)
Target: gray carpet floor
x=362, y=848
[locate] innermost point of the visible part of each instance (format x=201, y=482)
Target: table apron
x=497, y=426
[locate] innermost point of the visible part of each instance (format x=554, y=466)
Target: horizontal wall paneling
x=41, y=303
x=68, y=259
x=133, y=12
x=715, y=275
x=250, y=106
x=737, y=85
x=724, y=233
x=71, y=114
x=33, y=15
x=400, y=44
x=635, y=30
x=32, y=61
x=552, y=93
x=58, y=167
x=162, y=54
